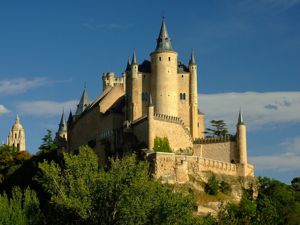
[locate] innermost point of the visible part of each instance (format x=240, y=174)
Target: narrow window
x=183, y=96
x=159, y=58
x=180, y=96
x=169, y=59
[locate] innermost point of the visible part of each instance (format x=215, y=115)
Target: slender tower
x=194, y=97
x=242, y=144
x=164, y=72
x=136, y=93
x=150, y=124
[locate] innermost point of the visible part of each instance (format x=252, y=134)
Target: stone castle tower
x=16, y=137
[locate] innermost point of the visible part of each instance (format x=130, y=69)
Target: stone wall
x=173, y=129
x=174, y=168
x=222, y=151
x=140, y=129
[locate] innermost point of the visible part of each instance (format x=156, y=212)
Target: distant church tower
x=16, y=137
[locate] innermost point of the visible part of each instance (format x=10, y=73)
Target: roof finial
x=133, y=58
x=163, y=40
x=192, y=59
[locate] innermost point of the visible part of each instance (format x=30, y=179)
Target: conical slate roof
x=62, y=124
x=240, y=119
x=83, y=103
x=163, y=40
x=128, y=66
x=192, y=59
x=133, y=58
x=70, y=118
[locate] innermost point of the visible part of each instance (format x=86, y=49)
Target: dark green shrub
x=225, y=188
x=212, y=185
x=162, y=145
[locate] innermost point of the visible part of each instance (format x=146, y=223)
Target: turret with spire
x=62, y=127
x=83, y=103
x=135, y=105
x=164, y=72
x=242, y=144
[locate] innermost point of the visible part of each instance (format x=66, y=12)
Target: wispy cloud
x=286, y=161
x=20, y=85
x=3, y=109
x=260, y=109
x=45, y=108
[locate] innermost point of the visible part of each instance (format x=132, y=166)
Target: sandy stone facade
x=157, y=98
x=16, y=136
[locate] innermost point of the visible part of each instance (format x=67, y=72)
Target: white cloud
x=287, y=161
x=3, y=109
x=45, y=108
x=20, y=85
x=259, y=109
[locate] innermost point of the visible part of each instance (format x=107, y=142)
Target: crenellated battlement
x=109, y=79
x=207, y=140
x=173, y=119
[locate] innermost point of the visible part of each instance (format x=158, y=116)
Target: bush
x=225, y=188
x=162, y=145
x=212, y=185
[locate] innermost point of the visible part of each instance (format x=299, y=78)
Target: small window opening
x=159, y=58
x=169, y=59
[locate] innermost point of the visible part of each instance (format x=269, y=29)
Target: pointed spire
x=62, y=124
x=128, y=67
x=17, y=119
x=133, y=58
x=83, y=103
x=163, y=40
x=240, y=119
x=70, y=118
x=192, y=59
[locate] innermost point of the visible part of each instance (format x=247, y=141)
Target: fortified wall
x=172, y=168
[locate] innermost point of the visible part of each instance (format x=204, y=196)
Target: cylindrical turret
x=136, y=92
x=194, y=97
x=164, y=71
x=242, y=140
x=150, y=124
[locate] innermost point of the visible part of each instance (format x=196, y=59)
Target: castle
x=156, y=98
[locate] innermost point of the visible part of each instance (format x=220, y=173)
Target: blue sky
x=248, y=55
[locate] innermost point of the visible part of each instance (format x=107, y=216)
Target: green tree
x=161, y=145
x=212, y=185
x=218, y=128
x=123, y=194
x=48, y=143
x=21, y=209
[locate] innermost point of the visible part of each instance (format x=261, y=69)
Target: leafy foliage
x=218, y=128
x=125, y=194
x=161, y=145
x=212, y=185
x=21, y=209
x=225, y=187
